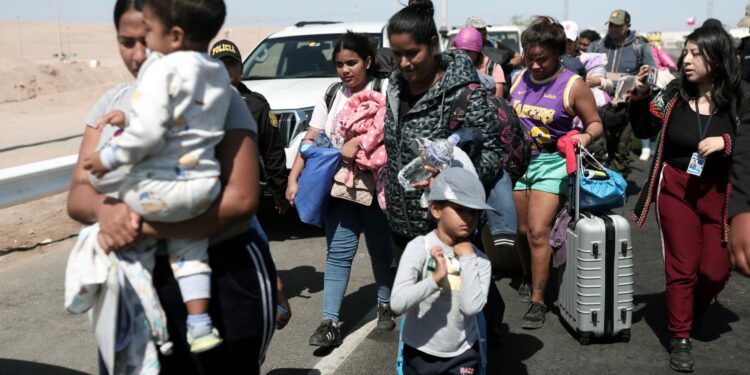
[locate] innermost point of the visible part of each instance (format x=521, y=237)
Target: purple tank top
x=544, y=107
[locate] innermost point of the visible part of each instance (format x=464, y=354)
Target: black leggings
x=242, y=308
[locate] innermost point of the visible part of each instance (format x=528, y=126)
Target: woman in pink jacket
x=343, y=116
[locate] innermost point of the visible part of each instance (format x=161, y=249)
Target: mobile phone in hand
x=651, y=77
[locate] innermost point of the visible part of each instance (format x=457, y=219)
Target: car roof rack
x=308, y=23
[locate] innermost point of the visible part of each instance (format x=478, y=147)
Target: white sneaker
x=645, y=154
x=206, y=342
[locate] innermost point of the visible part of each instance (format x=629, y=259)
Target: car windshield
x=509, y=38
x=305, y=56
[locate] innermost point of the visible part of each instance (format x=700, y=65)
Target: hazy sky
x=646, y=14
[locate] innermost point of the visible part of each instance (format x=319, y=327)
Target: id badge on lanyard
x=697, y=161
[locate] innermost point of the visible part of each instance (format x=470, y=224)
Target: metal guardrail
x=36, y=180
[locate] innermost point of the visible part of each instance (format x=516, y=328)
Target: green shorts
x=546, y=173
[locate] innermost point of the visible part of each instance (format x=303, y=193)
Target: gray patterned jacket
x=429, y=118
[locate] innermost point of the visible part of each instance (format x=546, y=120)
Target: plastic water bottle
x=438, y=154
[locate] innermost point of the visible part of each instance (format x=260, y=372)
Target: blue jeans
x=344, y=222
x=259, y=232
x=502, y=222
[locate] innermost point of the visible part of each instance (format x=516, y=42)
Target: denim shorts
x=502, y=221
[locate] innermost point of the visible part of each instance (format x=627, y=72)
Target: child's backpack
x=515, y=139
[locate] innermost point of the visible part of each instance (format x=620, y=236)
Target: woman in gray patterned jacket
x=421, y=99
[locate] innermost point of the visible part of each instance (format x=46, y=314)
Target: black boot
x=680, y=359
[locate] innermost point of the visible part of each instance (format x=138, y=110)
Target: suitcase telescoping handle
x=576, y=198
x=581, y=153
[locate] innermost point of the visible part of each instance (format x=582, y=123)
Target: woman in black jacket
x=422, y=93
x=689, y=178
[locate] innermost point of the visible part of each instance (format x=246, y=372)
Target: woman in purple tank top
x=547, y=97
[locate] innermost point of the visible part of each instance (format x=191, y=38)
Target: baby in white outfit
x=176, y=119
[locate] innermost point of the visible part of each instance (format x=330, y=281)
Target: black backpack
x=383, y=62
x=513, y=135
x=497, y=56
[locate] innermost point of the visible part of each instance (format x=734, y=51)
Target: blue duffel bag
x=314, y=190
x=601, y=188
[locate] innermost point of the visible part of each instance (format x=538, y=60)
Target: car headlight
x=305, y=114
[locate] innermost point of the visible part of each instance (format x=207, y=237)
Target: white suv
x=292, y=67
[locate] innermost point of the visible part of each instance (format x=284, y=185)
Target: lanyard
x=702, y=130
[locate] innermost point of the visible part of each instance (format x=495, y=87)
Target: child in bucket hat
x=442, y=282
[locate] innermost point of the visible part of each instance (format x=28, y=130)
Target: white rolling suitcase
x=596, y=292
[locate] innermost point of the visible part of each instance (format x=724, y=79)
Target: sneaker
x=524, y=291
x=534, y=317
x=680, y=358
x=386, y=317
x=327, y=334
x=206, y=342
x=645, y=154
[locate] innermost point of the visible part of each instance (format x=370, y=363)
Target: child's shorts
x=417, y=362
x=546, y=173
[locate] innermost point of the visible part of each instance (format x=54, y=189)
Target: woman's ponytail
x=416, y=20
x=423, y=6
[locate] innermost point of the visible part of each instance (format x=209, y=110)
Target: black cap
x=225, y=48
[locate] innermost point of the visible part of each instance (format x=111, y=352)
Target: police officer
x=270, y=142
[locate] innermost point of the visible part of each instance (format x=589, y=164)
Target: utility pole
x=59, y=35
x=20, y=43
x=444, y=17
x=566, y=5
x=67, y=39
x=709, y=9
x=356, y=12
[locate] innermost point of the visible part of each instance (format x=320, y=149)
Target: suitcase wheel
x=625, y=335
x=584, y=338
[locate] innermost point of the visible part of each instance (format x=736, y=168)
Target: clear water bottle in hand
x=438, y=154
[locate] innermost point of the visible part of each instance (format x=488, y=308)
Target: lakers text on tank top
x=544, y=107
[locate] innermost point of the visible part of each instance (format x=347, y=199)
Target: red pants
x=696, y=263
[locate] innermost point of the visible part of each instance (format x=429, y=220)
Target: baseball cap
x=571, y=29
x=619, y=17
x=225, y=48
x=476, y=22
x=459, y=186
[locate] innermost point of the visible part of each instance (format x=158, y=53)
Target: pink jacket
x=363, y=117
x=662, y=59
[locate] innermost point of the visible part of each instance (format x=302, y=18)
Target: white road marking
x=330, y=363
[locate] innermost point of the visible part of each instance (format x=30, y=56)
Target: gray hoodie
x=440, y=319
x=624, y=58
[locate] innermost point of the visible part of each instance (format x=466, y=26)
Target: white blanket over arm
x=98, y=283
